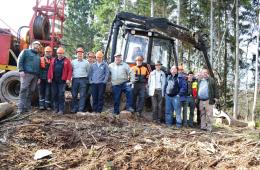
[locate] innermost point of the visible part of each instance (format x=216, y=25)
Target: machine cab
x=152, y=46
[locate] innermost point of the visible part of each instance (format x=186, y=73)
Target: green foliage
x=78, y=27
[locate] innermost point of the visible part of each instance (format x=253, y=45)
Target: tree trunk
x=178, y=23
x=225, y=56
x=152, y=7
x=256, y=71
x=237, y=62
x=211, y=34
x=5, y=109
x=219, y=37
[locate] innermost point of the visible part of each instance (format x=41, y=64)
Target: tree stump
x=5, y=109
x=125, y=115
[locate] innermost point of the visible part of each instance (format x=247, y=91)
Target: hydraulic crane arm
x=163, y=25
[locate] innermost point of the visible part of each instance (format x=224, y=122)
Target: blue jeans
x=173, y=103
x=78, y=86
x=58, y=89
x=190, y=101
x=117, y=90
x=98, y=91
x=44, y=93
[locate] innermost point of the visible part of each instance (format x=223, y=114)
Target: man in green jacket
x=29, y=63
x=207, y=95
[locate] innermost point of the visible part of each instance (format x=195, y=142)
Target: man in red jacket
x=59, y=75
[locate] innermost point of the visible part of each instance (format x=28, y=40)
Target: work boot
x=208, y=130
x=130, y=109
x=19, y=111
x=203, y=129
x=55, y=111
x=41, y=107
x=48, y=108
x=73, y=111
x=138, y=114
x=60, y=112
x=28, y=110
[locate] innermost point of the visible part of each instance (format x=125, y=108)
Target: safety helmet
x=37, y=42
x=48, y=48
x=139, y=58
x=180, y=67
x=91, y=54
x=99, y=54
x=79, y=50
x=60, y=50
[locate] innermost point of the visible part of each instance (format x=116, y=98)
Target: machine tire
x=10, y=87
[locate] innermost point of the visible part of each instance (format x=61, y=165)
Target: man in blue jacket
x=98, y=78
x=175, y=88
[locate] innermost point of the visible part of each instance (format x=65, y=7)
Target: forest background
x=88, y=23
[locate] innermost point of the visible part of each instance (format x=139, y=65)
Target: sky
x=17, y=13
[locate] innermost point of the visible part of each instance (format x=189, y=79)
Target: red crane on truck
x=46, y=22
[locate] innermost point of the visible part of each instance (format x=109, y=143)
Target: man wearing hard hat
x=29, y=67
x=98, y=78
x=80, y=72
x=141, y=76
x=45, y=87
x=59, y=75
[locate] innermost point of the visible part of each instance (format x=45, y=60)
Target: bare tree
x=211, y=33
x=237, y=62
x=178, y=22
x=256, y=71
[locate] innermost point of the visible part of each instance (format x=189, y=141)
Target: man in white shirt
x=156, y=83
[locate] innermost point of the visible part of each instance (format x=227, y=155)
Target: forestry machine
x=139, y=38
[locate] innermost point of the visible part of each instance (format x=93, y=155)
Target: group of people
x=89, y=78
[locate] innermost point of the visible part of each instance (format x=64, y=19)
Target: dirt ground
x=107, y=142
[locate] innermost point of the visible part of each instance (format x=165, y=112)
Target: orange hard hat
x=139, y=58
x=79, y=50
x=60, y=50
x=99, y=54
x=91, y=55
x=48, y=48
x=180, y=67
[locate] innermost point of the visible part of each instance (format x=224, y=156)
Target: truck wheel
x=10, y=87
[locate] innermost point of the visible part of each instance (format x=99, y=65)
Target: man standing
x=119, y=78
x=156, y=83
x=80, y=71
x=141, y=76
x=29, y=63
x=98, y=78
x=206, y=97
x=91, y=59
x=45, y=87
x=175, y=88
x=190, y=101
x=59, y=75
x=194, y=90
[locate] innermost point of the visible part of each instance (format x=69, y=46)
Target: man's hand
x=22, y=74
x=216, y=100
x=39, y=81
x=178, y=95
x=49, y=81
x=90, y=82
x=147, y=86
x=67, y=82
x=129, y=83
x=196, y=101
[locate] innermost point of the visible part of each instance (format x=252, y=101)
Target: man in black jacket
x=29, y=68
x=45, y=87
